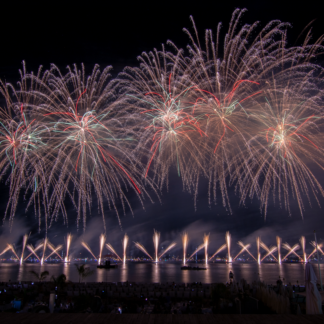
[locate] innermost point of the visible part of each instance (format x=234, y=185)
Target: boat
x=107, y=265
x=192, y=268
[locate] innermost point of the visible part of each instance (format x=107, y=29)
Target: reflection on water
x=163, y=272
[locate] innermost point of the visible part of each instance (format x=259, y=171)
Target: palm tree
x=60, y=280
x=83, y=271
x=40, y=276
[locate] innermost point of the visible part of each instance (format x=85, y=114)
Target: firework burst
x=159, y=99
x=282, y=151
x=88, y=129
x=22, y=146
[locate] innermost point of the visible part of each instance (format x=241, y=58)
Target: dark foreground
x=156, y=318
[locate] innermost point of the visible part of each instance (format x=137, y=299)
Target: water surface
x=164, y=272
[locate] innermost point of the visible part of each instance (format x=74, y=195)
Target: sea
x=163, y=272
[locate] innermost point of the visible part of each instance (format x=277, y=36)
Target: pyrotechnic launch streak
x=68, y=244
x=55, y=251
x=291, y=250
x=279, y=248
x=125, y=243
x=269, y=251
x=10, y=247
x=86, y=246
x=13, y=250
x=142, y=248
x=272, y=249
x=185, y=245
x=303, y=245
x=244, y=248
x=5, y=250
x=223, y=247
x=314, y=245
x=33, y=251
x=206, y=241
x=156, y=238
x=25, y=238
x=319, y=246
x=228, y=244
x=258, y=249
x=171, y=246
x=200, y=247
x=112, y=250
x=44, y=249
x=102, y=241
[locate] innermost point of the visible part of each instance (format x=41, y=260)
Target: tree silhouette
x=83, y=271
x=40, y=276
x=60, y=281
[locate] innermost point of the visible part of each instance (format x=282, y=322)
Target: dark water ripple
x=164, y=272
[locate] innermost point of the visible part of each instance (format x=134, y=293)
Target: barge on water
x=107, y=265
x=192, y=268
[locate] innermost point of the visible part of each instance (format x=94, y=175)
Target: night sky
x=115, y=34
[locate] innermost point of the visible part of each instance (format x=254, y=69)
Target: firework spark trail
x=291, y=250
x=111, y=249
x=171, y=246
x=6, y=249
x=10, y=247
x=269, y=250
x=185, y=241
x=25, y=238
x=206, y=241
x=68, y=244
x=86, y=246
x=91, y=148
x=30, y=171
x=278, y=239
x=244, y=111
x=159, y=100
x=223, y=247
x=258, y=249
x=44, y=249
x=303, y=245
x=319, y=247
x=226, y=83
x=13, y=250
x=55, y=250
x=290, y=135
x=34, y=250
x=125, y=243
x=231, y=110
x=102, y=241
x=156, y=238
x=200, y=247
x=244, y=248
x=142, y=248
x=170, y=119
x=228, y=245
x=22, y=149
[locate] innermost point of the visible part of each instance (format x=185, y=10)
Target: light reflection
x=161, y=272
x=123, y=268
x=156, y=272
x=259, y=276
